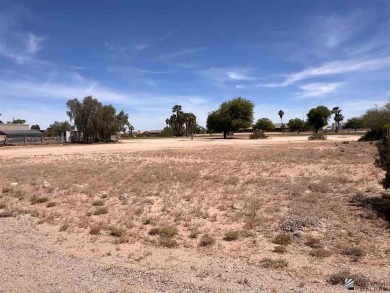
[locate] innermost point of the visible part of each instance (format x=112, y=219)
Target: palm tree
x=281, y=113
x=338, y=117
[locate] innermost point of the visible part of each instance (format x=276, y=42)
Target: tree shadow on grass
x=379, y=204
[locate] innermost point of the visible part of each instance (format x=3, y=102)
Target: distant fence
x=30, y=140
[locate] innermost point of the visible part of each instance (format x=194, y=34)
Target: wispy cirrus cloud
x=133, y=70
x=318, y=89
x=221, y=75
x=141, y=47
x=333, y=68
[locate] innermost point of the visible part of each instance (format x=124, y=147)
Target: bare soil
x=174, y=215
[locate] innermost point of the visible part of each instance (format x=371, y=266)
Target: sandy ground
x=37, y=255
x=157, y=144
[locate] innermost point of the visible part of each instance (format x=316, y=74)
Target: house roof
x=21, y=133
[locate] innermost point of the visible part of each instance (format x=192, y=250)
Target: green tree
x=18, y=121
x=264, y=124
x=57, y=127
x=281, y=114
x=95, y=121
x=376, y=118
x=36, y=127
x=177, y=120
x=231, y=116
x=318, y=117
x=296, y=124
x=338, y=117
x=167, y=132
x=130, y=128
x=123, y=120
x=354, y=123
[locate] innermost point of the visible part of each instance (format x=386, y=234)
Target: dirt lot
x=172, y=215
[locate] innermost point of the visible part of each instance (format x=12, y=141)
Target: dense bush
x=257, y=134
x=317, y=136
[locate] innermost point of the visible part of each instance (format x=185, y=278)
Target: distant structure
x=334, y=126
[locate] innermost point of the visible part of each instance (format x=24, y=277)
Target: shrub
x=121, y=239
x=360, y=280
x=168, y=231
x=95, y=230
x=51, y=204
x=194, y=234
x=98, y=202
x=320, y=253
x=317, y=136
x=35, y=200
x=206, y=240
x=154, y=231
x=339, y=277
x=3, y=205
x=313, y=242
x=273, y=263
x=101, y=211
x=231, y=235
x=354, y=252
x=116, y=231
x=167, y=242
x=64, y=227
x=257, y=134
x=282, y=239
x=5, y=214
x=280, y=249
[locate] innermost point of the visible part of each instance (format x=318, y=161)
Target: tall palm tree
x=281, y=113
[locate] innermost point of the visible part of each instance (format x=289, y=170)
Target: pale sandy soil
x=207, y=186
x=157, y=144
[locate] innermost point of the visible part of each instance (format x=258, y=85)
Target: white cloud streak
x=318, y=89
x=334, y=68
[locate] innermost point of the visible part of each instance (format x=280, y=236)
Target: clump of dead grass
x=206, y=240
x=231, y=235
x=273, y=263
x=283, y=239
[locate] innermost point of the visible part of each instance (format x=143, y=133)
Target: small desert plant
x=317, y=136
x=154, y=231
x=3, y=205
x=354, y=252
x=313, y=242
x=360, y=280
x=101, y=211
x=231, y=235
x=120, y=240
x=98, y=202
x=146, y=220
x=273, y=263
x=206, y=240
x=320, y=253
x=6, y=189
x=64, y=227
x=95, y=230
x=339, y=277
x=117, y=231
x=167, y=242
x=168, y=231
x=282, y=239
x=194, y=234
x=6, y=214
x=35, y=200
x=257, y=134
x=51, y=204
x=280, y=249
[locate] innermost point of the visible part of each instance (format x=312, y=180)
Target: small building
x=21, y=133
x=11, y=126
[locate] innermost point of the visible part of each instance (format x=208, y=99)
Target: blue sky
x=146, y=56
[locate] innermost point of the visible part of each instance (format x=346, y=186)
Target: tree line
x=237, y=114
